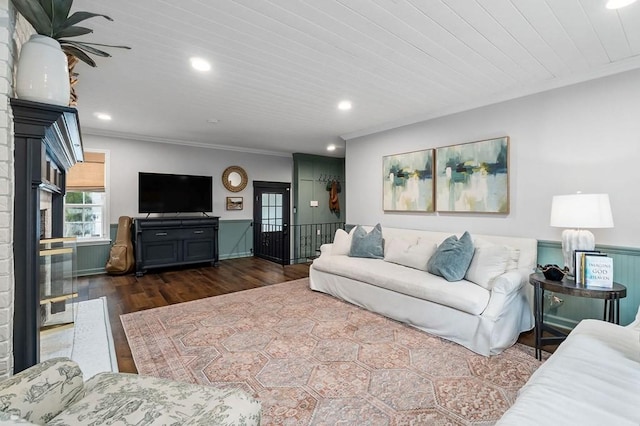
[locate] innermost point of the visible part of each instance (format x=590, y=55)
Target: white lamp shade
x=581, y=211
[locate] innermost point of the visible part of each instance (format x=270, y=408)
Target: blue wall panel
x=626, y=271
x=235, y=238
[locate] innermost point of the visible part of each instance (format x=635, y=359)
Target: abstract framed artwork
x=408, y=182
x=473, y=177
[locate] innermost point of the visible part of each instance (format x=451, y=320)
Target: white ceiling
x=280, y=67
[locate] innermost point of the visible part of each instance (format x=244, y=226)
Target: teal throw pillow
x=365, y=244
x=452, y=258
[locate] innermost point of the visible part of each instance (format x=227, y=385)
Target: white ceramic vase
x=43, y=74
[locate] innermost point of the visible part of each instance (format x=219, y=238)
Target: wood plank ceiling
x=280, y=67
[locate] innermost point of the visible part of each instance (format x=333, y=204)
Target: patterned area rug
x=312, y=359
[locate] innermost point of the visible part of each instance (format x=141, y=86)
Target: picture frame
x=473, y=177
x=234, y=203
x=407, y=182
x=577, y=262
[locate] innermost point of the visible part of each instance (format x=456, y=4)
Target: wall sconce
x=579, y=212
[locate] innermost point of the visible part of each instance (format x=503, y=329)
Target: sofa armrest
x=325, y=249
x=43, y=391
x=132, y=399
x=505, y=287
x=636, y=323
x=509, y=282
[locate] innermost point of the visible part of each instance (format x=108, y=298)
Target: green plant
x=51, y=18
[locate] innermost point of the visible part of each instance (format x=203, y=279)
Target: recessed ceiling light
x=344, y=105
x=200, y=64
x=102, y=116
x=213, y=121
x=617, y=4
x=331, y=147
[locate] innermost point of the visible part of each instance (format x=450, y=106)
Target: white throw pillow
x=341, y=242
x=413, y=255
x=514, y=257
x=489, y=261
x=514, y=253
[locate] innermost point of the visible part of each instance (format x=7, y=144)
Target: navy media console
x=162, y=242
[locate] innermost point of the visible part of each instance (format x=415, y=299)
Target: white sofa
x=487, y=321
x=593, y=378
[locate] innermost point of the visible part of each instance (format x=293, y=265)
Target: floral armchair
x=54, y=393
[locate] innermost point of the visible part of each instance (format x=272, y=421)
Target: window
x=85, y=203
x=84, y=214
x=271, y=212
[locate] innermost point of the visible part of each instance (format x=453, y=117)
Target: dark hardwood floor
x=162, y=287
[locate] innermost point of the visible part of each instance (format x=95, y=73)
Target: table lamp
x=579, y=212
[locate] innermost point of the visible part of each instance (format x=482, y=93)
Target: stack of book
x=593, y=268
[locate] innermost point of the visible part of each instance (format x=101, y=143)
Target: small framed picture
x=234, y=203
x=577, y=263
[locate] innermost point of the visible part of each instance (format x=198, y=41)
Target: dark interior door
x=271, y=206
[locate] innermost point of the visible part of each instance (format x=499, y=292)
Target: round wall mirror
x=234, y=178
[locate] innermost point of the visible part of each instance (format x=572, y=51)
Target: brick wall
x=12, y=34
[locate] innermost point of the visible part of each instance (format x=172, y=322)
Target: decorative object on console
x=365, y=244
x=473, y=177
x=553, y=272
x=579, y=212
x=234, y=178
x=234, y=203
x=452, y=258
x=408, y=181
x=43, y=81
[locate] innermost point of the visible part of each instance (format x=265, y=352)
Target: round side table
x=611, y=298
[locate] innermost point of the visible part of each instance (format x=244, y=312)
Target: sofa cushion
x=452, y=258
x=365, y=244
x=514, y=253
x=488, y=263
x=120, y=398
x=462, y=295
x=403, y=252
x=342, y=242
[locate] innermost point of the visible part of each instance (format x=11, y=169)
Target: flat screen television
x=165, y=193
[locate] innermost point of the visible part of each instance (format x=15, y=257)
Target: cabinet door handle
x=198, y=232
x=161, y=234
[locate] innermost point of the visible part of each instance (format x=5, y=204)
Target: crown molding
x=143, y=138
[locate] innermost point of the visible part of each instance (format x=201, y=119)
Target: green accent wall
x=626, y=271
x=235, y=238
x=310, y=176
x=91, y=259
